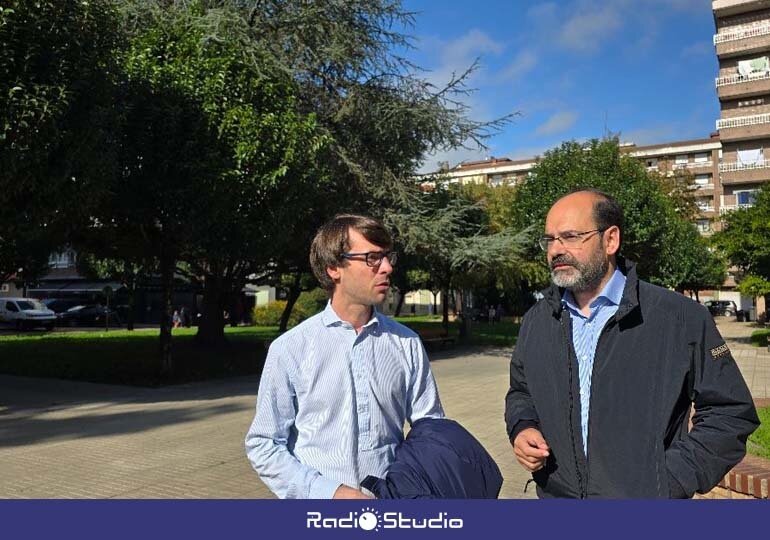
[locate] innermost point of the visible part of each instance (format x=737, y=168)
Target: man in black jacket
x=606, y=369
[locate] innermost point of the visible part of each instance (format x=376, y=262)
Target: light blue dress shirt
x=585, y=336
x=332, y=404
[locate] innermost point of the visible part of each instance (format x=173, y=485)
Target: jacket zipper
x=609, y=323
x=567, y=329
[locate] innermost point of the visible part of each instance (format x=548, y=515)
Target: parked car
x=88, y=315
x=24, y=313
x=722, y=307
x=60, y=305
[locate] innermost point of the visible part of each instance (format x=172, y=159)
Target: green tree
x=745, y=241
x=745, y=238
x=652, y=225
x=55, y=61
x=450, y=236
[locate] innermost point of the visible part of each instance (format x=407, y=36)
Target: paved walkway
x=62, y=439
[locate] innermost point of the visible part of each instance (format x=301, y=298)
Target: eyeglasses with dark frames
x=568, y=239
x=373, y=258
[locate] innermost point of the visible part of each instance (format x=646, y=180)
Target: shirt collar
x=612, y=292
x=330, y=317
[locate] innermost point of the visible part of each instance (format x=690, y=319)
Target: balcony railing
x=705, y=208
x=736, y=33
x=737, y=166
x=730, y=207
x=738, y=78
x=693, y=165
x=696, y=187
x=741, y=121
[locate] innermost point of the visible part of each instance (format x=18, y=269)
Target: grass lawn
x=759, y=337
x=503, y=333
x=759, y=441
x=133, y=358
x=123, y=357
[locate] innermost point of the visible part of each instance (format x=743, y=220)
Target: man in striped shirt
x=337, y=389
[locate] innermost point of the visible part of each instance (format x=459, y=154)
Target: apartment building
x=742, y=43
x=698, y=157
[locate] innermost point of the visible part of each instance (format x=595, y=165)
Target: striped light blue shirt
x=332, y=404
x=585, y=336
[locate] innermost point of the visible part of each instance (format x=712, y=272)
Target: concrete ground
x=62, y=439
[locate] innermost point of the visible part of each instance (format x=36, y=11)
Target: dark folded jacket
x=439, y=459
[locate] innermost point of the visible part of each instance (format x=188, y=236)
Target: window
x=703, y=225
x=701, y=158
x=745, y=198
x=652, y=163
x=751, y=102
x=702, y=179
x=704, y=204
x=10, y=306
x=4, y=287
x=681, y=161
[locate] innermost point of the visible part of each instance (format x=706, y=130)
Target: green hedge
x=308, y=304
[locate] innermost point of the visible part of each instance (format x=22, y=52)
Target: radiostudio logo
x=370, y=519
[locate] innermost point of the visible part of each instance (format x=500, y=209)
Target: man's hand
x=345, y=492
x=530, y=449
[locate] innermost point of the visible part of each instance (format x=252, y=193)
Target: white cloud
x=586, y=31
x=700, y=48
x=557, y=123
x=467, y=47
x=522, y=64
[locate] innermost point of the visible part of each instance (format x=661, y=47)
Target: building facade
x=742, y=44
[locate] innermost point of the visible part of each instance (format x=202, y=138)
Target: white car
x=25, y=313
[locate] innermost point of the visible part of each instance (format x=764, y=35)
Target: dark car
x=88, y=315
x=60, y=305
x=722, y=307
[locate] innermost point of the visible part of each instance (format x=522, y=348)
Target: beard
x=583, y=276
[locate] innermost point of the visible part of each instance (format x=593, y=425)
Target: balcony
x=756, y=126
x=732, y=86
x=742, y=40
x=730, y=207
x=694, y=165
x=745, y=173
x=725, y=8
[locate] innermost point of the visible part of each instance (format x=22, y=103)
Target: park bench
x=435, y=337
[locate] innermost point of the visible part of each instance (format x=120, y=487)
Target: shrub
x=308, y=304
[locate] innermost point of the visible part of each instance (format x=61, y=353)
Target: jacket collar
x=630, y=300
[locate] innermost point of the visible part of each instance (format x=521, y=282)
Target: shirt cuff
x=323, y=488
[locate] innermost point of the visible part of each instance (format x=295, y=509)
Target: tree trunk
x=444, y=311
x=294, y=292
x=697, y=296
x=167, y=265
x=400, y=304
x=211, y=331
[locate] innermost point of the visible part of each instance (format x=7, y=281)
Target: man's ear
x=333, y=272
x=612, y=240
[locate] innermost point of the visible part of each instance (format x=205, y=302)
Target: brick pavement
x=61, y=439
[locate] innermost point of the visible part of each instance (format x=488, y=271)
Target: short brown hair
x=332, y=240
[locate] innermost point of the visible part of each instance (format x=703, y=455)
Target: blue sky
x=642, y=68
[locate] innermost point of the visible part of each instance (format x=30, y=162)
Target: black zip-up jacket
x=660, y=353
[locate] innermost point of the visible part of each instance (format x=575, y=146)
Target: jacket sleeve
x=267, y=442
x=519, y=409
x=724, y=417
